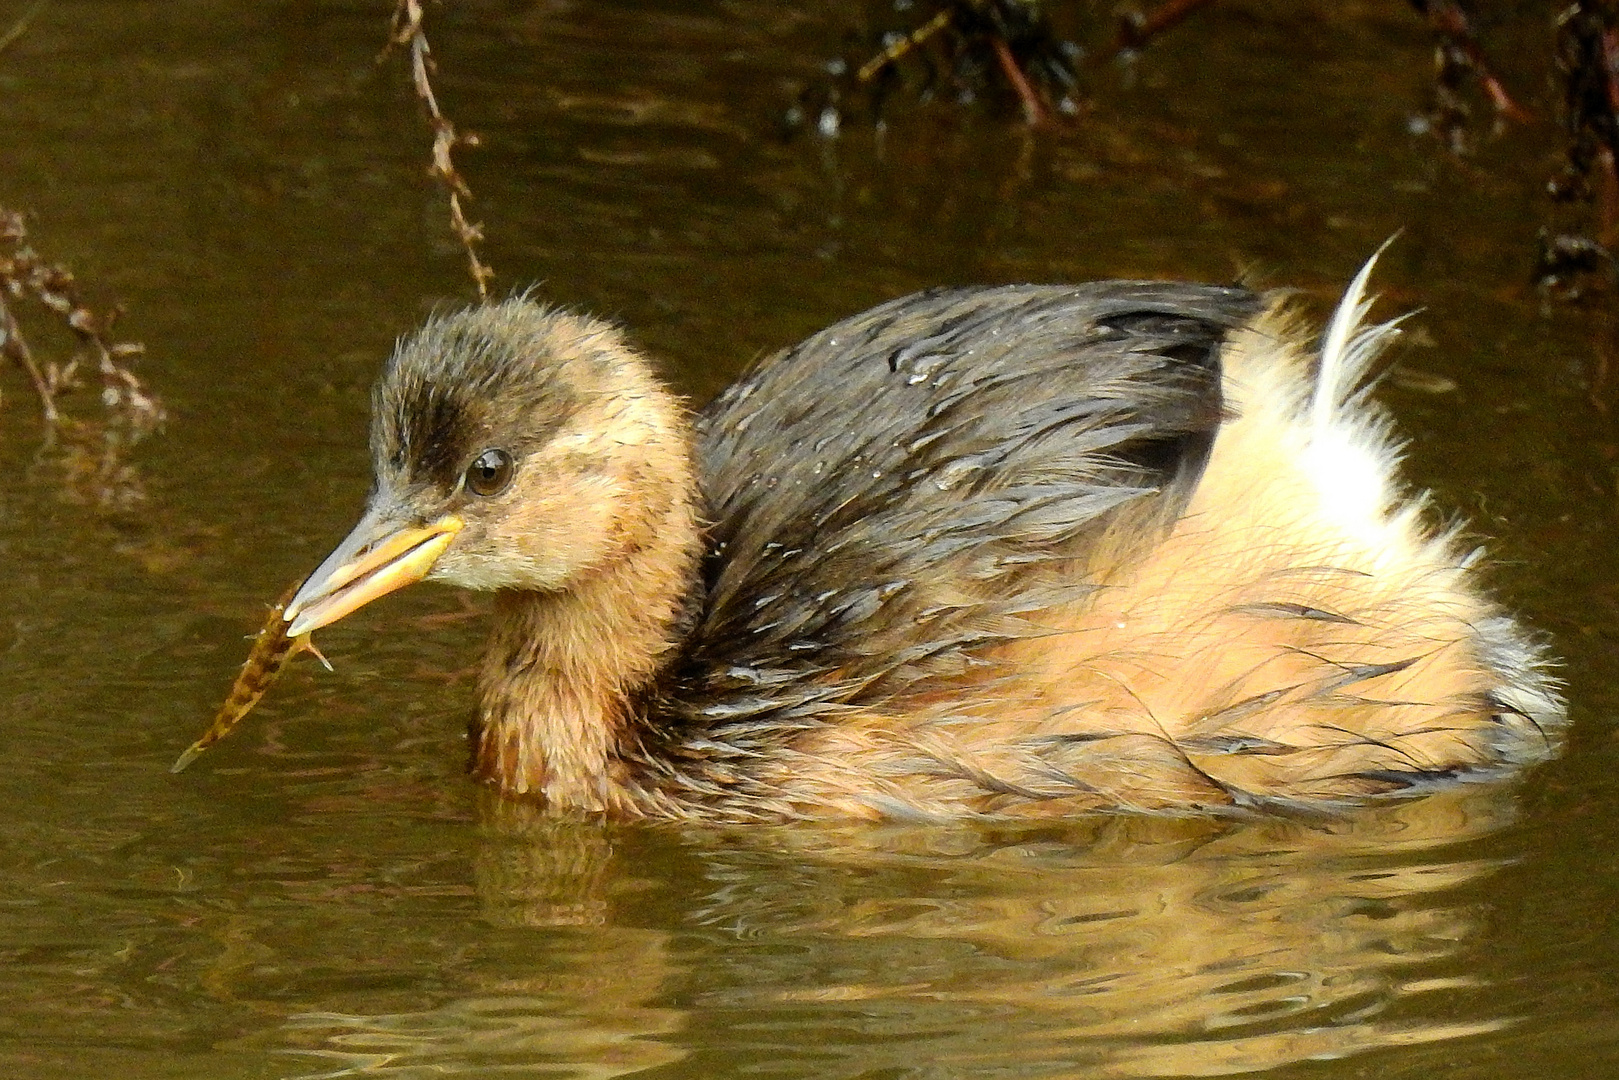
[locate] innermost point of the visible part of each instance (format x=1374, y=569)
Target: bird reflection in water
x=1116, y=947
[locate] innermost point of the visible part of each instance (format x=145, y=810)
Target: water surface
x=325, y=894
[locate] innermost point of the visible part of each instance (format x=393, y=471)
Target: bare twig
x=20, y=27
x=1459, y=51
x=24, y=274
x=1587, y=59
x=88, y=456
x=963, y=33
x=1135, y=30
x=406, y=30
x=15, y=347
x=900, y=44
x=1034, y=113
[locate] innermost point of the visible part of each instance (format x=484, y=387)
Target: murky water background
x=326, y=894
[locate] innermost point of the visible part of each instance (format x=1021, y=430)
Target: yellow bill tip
x=363, y=569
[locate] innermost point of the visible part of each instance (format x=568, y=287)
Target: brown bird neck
x=563, y=670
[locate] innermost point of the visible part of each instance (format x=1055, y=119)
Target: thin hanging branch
x=20, y=27
x=1459, y=53
x=406, y=30
x=15, y=348
x=1014, y=34
x=1136, y=29
x=25, y=275
x=87, y=458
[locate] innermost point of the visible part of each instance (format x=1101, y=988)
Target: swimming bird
x=1028, y=550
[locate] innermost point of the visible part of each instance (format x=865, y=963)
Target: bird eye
x=490, y=473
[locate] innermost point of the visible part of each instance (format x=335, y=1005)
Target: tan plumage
x=1030, y=550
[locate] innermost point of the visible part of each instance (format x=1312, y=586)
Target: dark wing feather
x=894, y=493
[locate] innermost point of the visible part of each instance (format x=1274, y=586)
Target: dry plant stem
x=1034, y=113
x=1608, y=176
x=406, y=30
x=1450, y=23
x=1135, y=30
x=24, y=274
x=19, y=27
x=1603, y=339
x=1610, y=66
x=15, y=346
x=1034, y=110
x=903, y=45
x=1607, y=196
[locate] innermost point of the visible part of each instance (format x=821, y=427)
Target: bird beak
x=377, y=557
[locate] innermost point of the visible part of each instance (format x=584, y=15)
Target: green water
x=327, y=895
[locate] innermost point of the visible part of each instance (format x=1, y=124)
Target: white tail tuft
x=1348, y=349
x=1350, y=454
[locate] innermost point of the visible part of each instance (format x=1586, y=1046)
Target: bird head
x=513, y=447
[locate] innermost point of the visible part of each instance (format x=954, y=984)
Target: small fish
x=271, y=651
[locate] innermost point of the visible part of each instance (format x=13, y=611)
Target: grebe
x=1026, y=550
